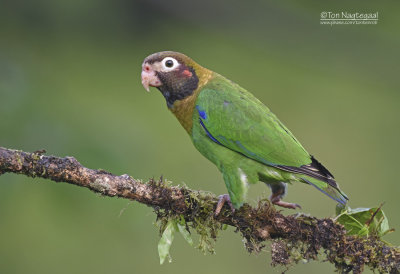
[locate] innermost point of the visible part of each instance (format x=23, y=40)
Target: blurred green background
x=70, y=84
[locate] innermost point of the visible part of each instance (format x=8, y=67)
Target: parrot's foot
x=276, y=200
x=286, y=204
x=222, y=199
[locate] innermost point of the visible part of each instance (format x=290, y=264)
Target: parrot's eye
x=169, y=63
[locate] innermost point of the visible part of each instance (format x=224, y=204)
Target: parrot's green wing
x=234, y=118
x=239, y=121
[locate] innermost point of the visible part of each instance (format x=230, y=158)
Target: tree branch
x=293, y=238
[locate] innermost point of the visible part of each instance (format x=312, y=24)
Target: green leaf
x=383, y=225
x=352, y=225
x=185, y=233
x=166, y=241
x=364, y=221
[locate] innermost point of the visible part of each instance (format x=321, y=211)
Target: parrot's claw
x=222, y=199
x=285, y=204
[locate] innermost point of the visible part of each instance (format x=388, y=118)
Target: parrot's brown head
x=173, y=73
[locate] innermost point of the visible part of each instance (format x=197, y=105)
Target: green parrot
x=235, y=131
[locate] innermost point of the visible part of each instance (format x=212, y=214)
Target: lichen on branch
x=292, y=238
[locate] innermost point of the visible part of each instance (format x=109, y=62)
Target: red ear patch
x=187, y=73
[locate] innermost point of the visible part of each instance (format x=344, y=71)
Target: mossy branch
x=293, y=238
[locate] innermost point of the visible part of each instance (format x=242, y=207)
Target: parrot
x=235, y=131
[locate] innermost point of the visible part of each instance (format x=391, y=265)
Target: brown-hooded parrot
x=235, y=131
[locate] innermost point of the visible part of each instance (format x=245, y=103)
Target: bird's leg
x=278, y=191
x=222, y=199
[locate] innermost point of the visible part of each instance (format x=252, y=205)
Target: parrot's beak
x=149, y=77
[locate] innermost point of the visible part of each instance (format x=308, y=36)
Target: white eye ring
x=169, y=63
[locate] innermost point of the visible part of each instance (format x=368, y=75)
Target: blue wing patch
x=202, y=113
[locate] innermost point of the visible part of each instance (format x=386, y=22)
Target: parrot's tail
x=333, y=192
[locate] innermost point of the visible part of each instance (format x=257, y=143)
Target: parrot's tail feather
x=328, y=190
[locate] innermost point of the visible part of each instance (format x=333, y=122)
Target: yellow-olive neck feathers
x=183, y=109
